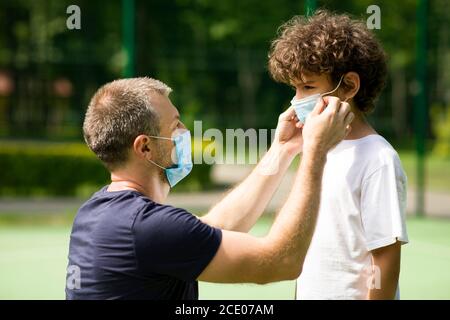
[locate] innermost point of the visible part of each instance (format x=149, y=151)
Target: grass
x=33, y=260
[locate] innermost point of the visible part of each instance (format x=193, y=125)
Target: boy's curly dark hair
x=332, y=44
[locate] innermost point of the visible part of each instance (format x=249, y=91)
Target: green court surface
x=33, y=260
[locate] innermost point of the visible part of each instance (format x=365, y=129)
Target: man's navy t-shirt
x=125, y=246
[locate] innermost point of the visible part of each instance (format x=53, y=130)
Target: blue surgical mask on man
x=304, y=106
x=183, y=165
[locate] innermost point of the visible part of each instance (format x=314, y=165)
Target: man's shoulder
x=162, y=217
x=138, y=206
x=125, y=201
x=130, y=210
x=163, y=212
x=119, y=208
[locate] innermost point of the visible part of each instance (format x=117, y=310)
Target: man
x=126, y=244
x=355, y=251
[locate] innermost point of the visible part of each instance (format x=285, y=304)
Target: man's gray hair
x=118, y=112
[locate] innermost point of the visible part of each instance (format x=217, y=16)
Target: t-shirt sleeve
x=383, y=205
x=173, y=242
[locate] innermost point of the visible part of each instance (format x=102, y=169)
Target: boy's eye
x=308, y=87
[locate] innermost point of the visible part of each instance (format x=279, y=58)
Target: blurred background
x=214, y=55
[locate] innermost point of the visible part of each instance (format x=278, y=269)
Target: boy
x=355, y=251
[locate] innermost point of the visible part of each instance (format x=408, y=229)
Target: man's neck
x=152, y=187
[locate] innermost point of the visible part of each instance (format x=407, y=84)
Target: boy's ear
x=351, y=83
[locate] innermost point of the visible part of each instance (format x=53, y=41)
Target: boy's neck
x=360, y=128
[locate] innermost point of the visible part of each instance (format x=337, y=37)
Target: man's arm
x=280, y=255
x=386, y=261
x=240, y=209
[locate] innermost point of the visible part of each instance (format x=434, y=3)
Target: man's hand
x=289, y=132
x=280, y=254
x=327, y=124
x=240, y=209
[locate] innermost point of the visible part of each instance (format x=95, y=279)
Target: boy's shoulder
x=372, y=146
x=366, y=155
x=377, y=153
x=378, y=147
x=375, y=145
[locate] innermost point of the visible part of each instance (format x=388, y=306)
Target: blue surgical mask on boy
x=304, y=106
x=183, y=165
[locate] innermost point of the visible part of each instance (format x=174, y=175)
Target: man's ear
x=141, y=146
x=351, y=83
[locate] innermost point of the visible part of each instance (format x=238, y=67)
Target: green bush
x=64, y=169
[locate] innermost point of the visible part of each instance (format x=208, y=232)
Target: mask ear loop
x=150, y=160
x=337, y=87
x=156, y=137
x=164, y=138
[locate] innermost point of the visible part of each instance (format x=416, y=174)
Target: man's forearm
x=293, y=228
x=241, y=207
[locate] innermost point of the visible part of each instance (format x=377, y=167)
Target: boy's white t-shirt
x=362, y=208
